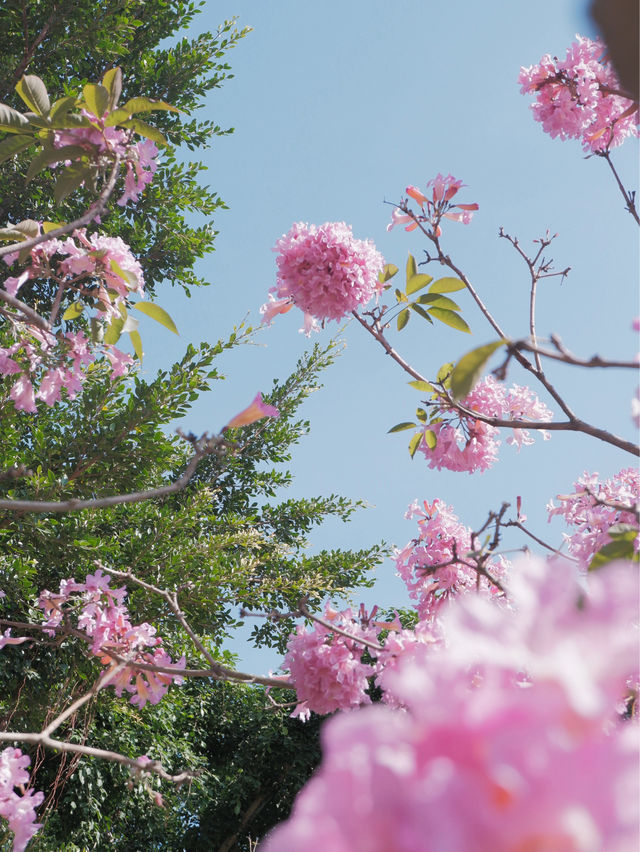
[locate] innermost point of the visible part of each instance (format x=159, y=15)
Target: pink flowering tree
x=511, y=685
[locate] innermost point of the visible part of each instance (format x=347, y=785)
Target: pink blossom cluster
x=591, y=519
x=433, y=209
x=511, y=740
x=101, y=141
x=326, y=667
x=18, y=808
x=580, y=97
x=98, y=267
x=325, y=271
x=102, y=616
x=433, y=565
x=466, y=444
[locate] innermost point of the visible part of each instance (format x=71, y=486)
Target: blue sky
x=339, y=106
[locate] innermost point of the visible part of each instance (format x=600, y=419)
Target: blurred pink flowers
x=434, y=208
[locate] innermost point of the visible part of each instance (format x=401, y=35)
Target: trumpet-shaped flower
x=256, y=411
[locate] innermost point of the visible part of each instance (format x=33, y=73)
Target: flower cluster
x=435, y=208
x=102, y=616
x=513, y=715
x=466, y=444
x=580, y=98
x=325, y=271
x=587, y=512
x=326, y=668
x=433, y=565
x=97, y=267
x=101, y=141
x=19, y=809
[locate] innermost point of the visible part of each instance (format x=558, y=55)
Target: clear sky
x=337, y=107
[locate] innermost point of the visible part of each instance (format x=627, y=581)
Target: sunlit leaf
x=11, y=120
x=34, y=93
x=437, y=300
x=146, y=130
x=450, y=318
x=96, y=98
x=469, y=368
x=387, y=273
x=417, y=282
x=421, y=414
x=447, y=285
x=400, y=427
x=414, y=443
x=112, y=81
x=403, y=319
x=136, y=341
x=412, y=269
x=421, y=386
x=430, y=439
x=415, y=307
x=157, y=313
x=73, y=311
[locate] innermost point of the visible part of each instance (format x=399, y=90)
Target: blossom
x=325, y=271
x=23, y=395
x=586, y=510
x=326, y=668
x=435, y=208
x=141, y=167
x=579, y=97
x=120, y=361
x=464, y=443
x=274, y=307
x=482, y=758
x=256, y=411
x=18, y=809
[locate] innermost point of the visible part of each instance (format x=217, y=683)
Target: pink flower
x=400, y=218
x=120, y=361
x=578, y=98
x=23, y=395
x=325, y=271
x=274, y=307
x=326, y=668
x=256, y=411
x=18, y=808
x=434, y=209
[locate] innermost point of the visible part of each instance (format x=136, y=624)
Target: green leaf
x=112, y=81
x=421, y=386
x=96, y=98
x=620, y=548
x=29, y=227
x=450, y=318
x=469, y=368
x=412, y=269
x=447, y=285
x=51, y=226
x=400, y=296
x=13, y=145
x=134, y=105
x=414, y=443
x=421, y=414
x=438, y=301
x=34, y=93
x=54, y=155
x=415, y=307
x=400, y=427
x=73, y=311
x=417, y=282
x=10, y=235
x=444, y=373
x=403, y=319
x=430, y=439
x=126, y=276
x=68, y=181
x=136, y=341
x=118, y=116
x=61, y=107
x=11, y=120
x=114, y=330
x=144, y=129
x=387, y=273
x=157, y=313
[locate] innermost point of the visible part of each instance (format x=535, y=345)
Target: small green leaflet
x=13, y=145
x=447, y=285
x=144, y=129
x=96, y=98
x=112, y=81
x=450, y=318
x=430, y=439
x=69, y=180
x=421, y=386
x=403, y=319
x=54, y=155
x=421, y=414
x=34, y=93
x=436, y=300
x=414, y=443
x=621, y=547
x=417, y=282
x=73, y=311
x=136, y=341
x=11, y=120
x=400, y=427
x=157, y=313
x=387, y=272
x=412, y=269
x=421, y=311
x=467, y=372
